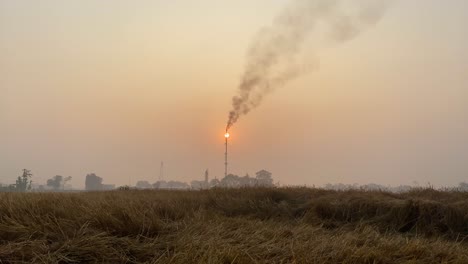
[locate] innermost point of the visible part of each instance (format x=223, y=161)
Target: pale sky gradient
x=116, y=87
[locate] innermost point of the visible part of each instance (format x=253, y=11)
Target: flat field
x=252, y=225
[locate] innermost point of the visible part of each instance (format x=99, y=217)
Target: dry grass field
x=257, y=225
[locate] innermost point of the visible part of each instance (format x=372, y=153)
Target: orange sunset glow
x=112, y=87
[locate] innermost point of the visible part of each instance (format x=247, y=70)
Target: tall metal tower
x=226, y=136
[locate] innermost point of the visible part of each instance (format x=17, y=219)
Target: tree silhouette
x=55, y=182
x=58, y=182
x=23, y=183
x=264, y=178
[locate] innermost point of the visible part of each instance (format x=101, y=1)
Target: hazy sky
x=116, y=87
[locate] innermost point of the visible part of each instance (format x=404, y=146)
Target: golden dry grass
x=256, y=225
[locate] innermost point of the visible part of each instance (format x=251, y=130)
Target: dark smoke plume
x=271, y=58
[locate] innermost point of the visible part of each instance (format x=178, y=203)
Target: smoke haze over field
x=272, y=56
x=114, y=87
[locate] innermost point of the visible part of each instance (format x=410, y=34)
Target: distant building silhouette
x=93, y=182
x=171, y=185
x=198, y=185
x=263, y=178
